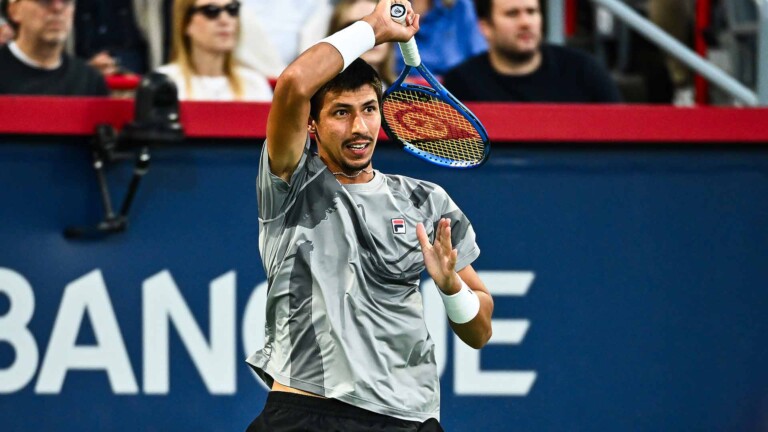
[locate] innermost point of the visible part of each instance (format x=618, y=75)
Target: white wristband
x=352, y=41
x=462, y=306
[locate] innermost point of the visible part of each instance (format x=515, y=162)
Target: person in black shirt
x=35, y=62
x=106, y=33
x=519, y=68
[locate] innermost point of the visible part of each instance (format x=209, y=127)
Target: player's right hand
x=386, y=29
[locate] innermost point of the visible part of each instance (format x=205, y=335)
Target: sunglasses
x=212, y=11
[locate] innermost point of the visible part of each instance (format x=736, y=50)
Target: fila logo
x=398, y=226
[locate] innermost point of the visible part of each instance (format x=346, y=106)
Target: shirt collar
x=19, y=54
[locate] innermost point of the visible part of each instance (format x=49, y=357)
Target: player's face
x=46, y=21
x=214, y=33
x=515, y=27
x=347, y=128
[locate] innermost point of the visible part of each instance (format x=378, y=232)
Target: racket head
x=433, y=125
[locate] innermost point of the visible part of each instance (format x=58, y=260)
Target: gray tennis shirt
x=344, y=314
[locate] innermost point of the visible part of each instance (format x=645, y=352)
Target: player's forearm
x=310, y=71
x=287, y=121
x=469, y=306
x=477, y=332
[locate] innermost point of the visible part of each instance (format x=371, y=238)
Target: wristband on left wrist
x=462, y=306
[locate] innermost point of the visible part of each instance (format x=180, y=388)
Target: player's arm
x=466, y=298
x=476, y=332
x=289, y=114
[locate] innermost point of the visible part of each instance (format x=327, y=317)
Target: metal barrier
x=556, y=21
x=709, y=71
x=762, y=53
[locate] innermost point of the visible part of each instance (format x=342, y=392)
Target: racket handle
x=409, y=49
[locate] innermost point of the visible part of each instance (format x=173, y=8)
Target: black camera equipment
x=156, y=122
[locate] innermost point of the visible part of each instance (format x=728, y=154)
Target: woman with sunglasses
x=203, y=66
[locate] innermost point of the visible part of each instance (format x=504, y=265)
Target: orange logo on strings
x=427, y=125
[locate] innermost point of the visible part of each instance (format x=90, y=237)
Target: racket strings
x=432, y=126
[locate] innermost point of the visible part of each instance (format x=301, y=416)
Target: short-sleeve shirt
x=344, y=315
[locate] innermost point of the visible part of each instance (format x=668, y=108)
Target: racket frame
x=437, y=91
x=412, y=59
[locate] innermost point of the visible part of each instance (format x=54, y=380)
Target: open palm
x=439, y=256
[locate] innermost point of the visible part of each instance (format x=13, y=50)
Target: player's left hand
x=440, y=257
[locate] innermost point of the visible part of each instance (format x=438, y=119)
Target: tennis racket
x=429, y=122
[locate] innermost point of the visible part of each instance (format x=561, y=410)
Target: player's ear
x=12, y=11
x=485, y=28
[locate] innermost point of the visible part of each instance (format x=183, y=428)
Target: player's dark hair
x=358, y=74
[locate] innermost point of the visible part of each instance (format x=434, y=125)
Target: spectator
x=35, y=62
x=381, y=57
x=448, y=35
x=518, y=67
x=108, y=33
x=276, y=32
x=676, y=18
x=205, y=36
x=154, y=18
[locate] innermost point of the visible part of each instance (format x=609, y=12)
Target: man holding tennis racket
x=344, y=245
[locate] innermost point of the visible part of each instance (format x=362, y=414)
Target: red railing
x=608, y=124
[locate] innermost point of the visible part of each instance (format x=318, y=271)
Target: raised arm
x=464, y=294
x=289, y=115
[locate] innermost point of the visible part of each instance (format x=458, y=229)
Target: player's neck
x=508, y=66
x=364, y=175
x=350, y=176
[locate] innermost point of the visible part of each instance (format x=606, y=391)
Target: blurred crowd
x=233, y=50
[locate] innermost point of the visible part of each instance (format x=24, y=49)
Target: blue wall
x=647, y=309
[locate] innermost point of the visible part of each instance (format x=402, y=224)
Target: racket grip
x=409, y=49
x=410, y=53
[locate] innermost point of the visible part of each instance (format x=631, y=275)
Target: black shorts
x=286, y=412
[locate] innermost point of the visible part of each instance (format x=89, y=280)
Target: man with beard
x=35, y=62
x=518, y=67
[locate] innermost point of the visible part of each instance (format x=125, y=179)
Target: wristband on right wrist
x=353, y=41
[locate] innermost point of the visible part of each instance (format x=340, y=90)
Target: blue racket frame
x=438, y=91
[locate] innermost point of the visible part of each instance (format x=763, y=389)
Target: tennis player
x=343, y=246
